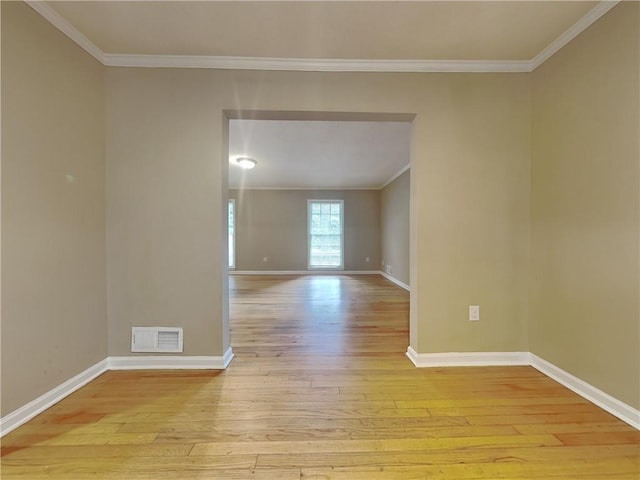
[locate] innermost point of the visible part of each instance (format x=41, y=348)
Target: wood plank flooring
x=321, y=389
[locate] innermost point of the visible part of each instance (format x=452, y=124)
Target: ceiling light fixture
x=246, y=162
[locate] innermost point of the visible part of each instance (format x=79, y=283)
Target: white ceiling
x=392, y=30
x=323, y=35
x=317, y=154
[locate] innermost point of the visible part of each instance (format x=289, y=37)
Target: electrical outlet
x=474, y=313
x=264, y=259
x=388, y=268
x=366, y=259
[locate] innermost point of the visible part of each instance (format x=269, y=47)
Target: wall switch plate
x=474, y=313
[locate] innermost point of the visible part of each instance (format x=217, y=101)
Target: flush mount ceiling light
x=246, y=162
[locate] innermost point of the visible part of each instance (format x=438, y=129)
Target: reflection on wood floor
x=321, y=389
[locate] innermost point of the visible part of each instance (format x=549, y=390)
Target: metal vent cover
x=157, y=339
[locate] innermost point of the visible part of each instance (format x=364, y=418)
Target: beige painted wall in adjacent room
x=585, y=230
x=394, y=220
x=166, y=195
x=273, y=224
x=53, y=208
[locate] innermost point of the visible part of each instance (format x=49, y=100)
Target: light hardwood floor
x=321, y=389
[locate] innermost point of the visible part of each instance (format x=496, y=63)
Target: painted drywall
x=53, y=208
x=585, y=216
x=166, y=195
x=166, y=209
x=273, y=224
x=469, y=194
x=395, y=227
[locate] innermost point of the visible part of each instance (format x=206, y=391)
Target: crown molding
x=400, y=172
x=65, y=27
x=391, y=179
x=576, y=29
x=321, y=65
x=315, y=65
x=304, y=272
x=310, y=189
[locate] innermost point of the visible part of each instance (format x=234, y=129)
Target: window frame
x=231, y=248
x=310, y=203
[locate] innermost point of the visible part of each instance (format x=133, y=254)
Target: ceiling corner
x=65, y=27
x=576, y=29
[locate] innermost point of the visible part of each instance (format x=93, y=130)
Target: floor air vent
x=156, y=339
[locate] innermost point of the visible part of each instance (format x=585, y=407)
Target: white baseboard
x=170, y=362
x=395, y=280
x=624, y=412
x=413, y=355
x=467, y=359
x=621, y=410
x=227, y=357
x=303, y=272
x=25, y=413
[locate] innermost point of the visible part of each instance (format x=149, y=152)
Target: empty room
x=457, y=299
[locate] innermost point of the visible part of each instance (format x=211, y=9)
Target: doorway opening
x=358, y=163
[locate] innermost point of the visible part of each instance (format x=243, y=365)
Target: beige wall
x=166, y=207
x=166, y=193
x=394, y=226
x=166, y=174
x=53, y=230
x=273, y=224
x=585, y=213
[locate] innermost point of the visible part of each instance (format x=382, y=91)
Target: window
x=232, y=234
x=325, y=234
